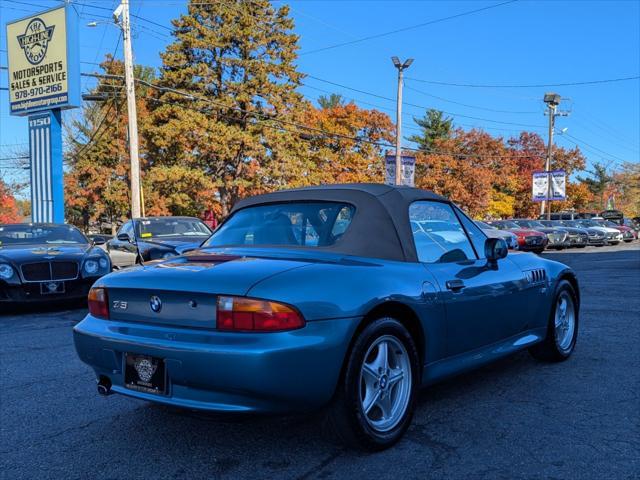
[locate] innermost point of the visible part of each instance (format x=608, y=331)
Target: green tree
x=598, y=182
x=332, y=101
x=236, y=60
x=435, y=126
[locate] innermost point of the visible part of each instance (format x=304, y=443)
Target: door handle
x=455, y=285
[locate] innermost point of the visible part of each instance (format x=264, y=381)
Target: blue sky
x=520, y=43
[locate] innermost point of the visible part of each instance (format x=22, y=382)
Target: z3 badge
x=119, y=305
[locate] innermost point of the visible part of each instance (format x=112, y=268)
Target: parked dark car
x=558, y=237
x=578, y=237
x=326, y=297
x=612, y=235
x=596, y=237
x=155, y=238
x=46, y=261
x=529, y=240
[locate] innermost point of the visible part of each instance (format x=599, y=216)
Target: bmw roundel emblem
x=155, y=303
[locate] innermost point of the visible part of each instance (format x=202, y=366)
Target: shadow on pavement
x=42, y=307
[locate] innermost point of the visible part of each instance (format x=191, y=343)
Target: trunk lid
x=184, y=291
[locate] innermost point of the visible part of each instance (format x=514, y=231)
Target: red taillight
x=252, y=315
x=99, y=302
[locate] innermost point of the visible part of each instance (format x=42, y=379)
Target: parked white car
x=613, y=235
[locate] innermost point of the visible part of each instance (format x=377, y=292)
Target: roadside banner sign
x=540, y=183
x=408, y=170
x=43, y=62
x=558, y=185
x=539, y=186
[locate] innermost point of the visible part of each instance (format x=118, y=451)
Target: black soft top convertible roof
x=380, y=227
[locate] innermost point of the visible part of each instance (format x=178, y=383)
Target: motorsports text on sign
x=43, y=70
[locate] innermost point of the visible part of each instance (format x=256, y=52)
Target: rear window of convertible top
x=302, y=224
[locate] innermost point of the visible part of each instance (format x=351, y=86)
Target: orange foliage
x=8, y=208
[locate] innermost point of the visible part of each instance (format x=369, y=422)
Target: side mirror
x=124, y=237
x=495, y=249
x=99, y=240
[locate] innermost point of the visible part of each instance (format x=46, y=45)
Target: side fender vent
x=537, y=275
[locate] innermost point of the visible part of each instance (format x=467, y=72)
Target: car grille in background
x=535, y=240
x=43, y=271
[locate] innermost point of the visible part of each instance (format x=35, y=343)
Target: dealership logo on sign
x=35, y=40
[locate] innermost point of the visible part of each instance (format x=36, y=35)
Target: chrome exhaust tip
x=104, y=386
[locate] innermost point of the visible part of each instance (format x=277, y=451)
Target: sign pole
x=45, y=155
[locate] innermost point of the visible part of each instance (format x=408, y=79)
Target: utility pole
x=552, y=100
x=547, y=166
x=401, y=67
x=123, y=10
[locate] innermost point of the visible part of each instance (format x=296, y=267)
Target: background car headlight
x=104, y=263
x=169, y=255
x=6, y=271
x=91, y=266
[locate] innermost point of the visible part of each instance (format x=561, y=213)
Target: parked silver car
x=493, y=232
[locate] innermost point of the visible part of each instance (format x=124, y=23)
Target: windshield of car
x=608, y=223
x=24, y=234
x=317, y=224
x=589, y=223
x=171, y=227
x=571, y=223
x=503, y=224
x=485, y=226
x=552, y=223
x=529, y=224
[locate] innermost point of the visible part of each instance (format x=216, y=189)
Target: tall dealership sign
x=541, y=191
x=44, y=78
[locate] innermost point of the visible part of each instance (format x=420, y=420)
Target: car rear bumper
x=227, y=372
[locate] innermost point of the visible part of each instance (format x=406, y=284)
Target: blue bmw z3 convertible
x=344, y=296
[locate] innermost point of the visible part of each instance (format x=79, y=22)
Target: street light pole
x=132, y=111
x=400, y=67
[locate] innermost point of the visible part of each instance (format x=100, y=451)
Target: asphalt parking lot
x=517, y=419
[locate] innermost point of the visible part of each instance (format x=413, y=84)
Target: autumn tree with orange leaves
x=352, y=149
x=8, y=207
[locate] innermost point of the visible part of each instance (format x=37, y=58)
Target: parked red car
x=528, y=240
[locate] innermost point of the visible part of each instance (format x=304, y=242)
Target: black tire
x=549, y=350
x=345, y=419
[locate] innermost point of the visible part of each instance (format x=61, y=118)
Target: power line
x=404, y=29
x=424, y=107
x=268, y=117
x=471, y=106
x=412, y=116
x=536, y=85
x=594, y=148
